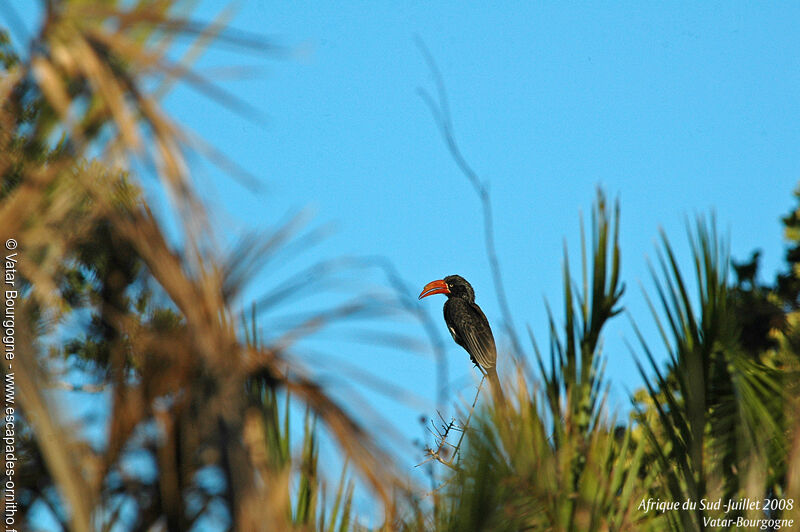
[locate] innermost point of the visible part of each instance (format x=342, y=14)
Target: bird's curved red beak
x=434, y=287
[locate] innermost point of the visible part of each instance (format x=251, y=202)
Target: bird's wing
x=470, y=329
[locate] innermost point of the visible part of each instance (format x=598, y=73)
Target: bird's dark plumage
x=470, y=330
x=467, y=323
x=465, y=320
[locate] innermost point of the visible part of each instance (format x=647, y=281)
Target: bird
x=746, y=270
x=468, y=325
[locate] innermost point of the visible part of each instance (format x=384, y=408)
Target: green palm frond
x=717, y=405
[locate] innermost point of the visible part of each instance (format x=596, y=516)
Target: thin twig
x=469, y=417
x=441, y=436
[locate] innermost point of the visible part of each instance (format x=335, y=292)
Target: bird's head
x=451, y=286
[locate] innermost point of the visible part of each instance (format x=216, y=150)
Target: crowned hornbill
x=468, y=325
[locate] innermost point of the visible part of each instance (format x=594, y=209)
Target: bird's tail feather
x=497, y=388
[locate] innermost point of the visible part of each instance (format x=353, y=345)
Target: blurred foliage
x=192, y=393
x=719, y=431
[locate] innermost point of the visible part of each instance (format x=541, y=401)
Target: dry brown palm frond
x=176, y=390
x=69, y=461
x=111, y=65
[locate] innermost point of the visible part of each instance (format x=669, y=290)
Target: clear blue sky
x=675, y=108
